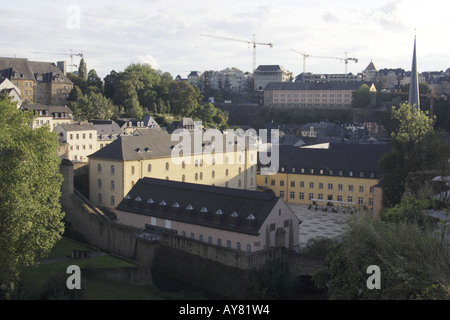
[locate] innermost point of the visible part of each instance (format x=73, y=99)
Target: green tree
x=94, y=82
x=361, y=97
x=413, y=264
x=183, y=98
x=30, y=212
x=93, y=106
x=415, y=146
x=82, y=70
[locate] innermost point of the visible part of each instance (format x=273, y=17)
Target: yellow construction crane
x=71, y=54
x=346, y=59
x=246, y=41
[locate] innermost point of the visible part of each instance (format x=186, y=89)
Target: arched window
x=226, y=172
x=200, y=237
x=183, y=164
x=239, y=183
x=238, y=246
x=209, y=239
x=132, y=169
x=249, y=248
x=99, y=197
x=213, y=174
x=113, y=201
x=167, y=166
x=112, y=170
x=112, y=185
x=99, y=183
x=196, y=176
x=99, y=168
x=201, y=175
x=149, y=168
x=228, y=244
x=219, y=242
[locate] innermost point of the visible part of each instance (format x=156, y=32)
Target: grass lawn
x=36, y=277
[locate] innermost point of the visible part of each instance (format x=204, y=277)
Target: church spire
x=414, y=99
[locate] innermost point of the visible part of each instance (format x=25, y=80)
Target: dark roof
x=156, y=146
x=341, y=85
x=265, y=68
x=345, y=157
x=21, y=68
x=50, y=109
x=251, y=207
x=106, y=127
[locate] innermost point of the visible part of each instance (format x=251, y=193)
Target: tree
x=93, y=106
x=183, y=98
x=30, y=212
x=94, y=82
x=362, y=97
x=415, y=146
x=413, y=263
x=82, y=70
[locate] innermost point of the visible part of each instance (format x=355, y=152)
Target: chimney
x=62, y=66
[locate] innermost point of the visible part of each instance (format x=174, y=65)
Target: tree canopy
x=30, y=212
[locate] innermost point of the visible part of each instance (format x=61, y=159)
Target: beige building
x=241, y=220
x=12, y=90
x=265, y=74
x=310, y=95
x=115, y=169
x=39, y=82
x=339, y=175
x=49, y=115
x=81, y=140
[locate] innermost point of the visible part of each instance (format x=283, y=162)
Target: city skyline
x=167, y=34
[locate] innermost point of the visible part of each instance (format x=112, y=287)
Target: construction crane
x=246, y=41
x=346, y=59
x=71, y=54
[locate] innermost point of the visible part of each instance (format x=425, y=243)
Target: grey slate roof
x=230, y=209
x=344, y=157
x=304, y=86
x=77, y=127
x=266, y=68
x=144, y=147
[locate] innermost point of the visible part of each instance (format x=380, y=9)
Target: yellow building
x=341, y=175
x=114, y=169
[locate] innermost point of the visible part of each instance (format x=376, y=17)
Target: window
x=350, y=199
x=371, y=202
x=310, y=196
x=301, y=196
x=292, y=195
x=360, y=201
x=330, y=186
x=192, y=235
x=239, y=183
x=281, y=183
x=320, y=196
x=292, y=184
x=183, y=178
x=281, y=194
x=99, y=183
x=350, y=174
x=340, y=187
x=167, y=166
x=272, y=227
x=228, y=244
x=112, y=185
x=240, y=170
x=99, y=168
x=320, y=185
x=361, y=174
x=84, y=135
x=219, y=242
x=339, y=198
x=132, y=170
x=200, y=237
x=361, y=189
x=183, y=165
x=350, y=188
x=78, y=136
x=302, y=184
x=99, y=198
x=196, y=176
x=249, y=248
x=272, y=182
x=210, y=240
x=238, y=246
x=371, y=189
x=311, y=185
x=113, y=201
x=226, y=172
x=149, y=168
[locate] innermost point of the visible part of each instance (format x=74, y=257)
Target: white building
x=81, y=140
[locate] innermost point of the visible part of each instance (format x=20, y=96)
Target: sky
x=170, y=34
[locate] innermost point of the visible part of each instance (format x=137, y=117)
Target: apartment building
x=311, y=95
x=115, y=169
x=49, y=115
x=337, y=174
x=265, y=74
x=240, y=220
x=39, y=82
x=81, y=140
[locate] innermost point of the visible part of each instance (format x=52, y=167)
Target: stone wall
x=137, y=276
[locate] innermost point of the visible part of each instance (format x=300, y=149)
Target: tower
x=414, y=99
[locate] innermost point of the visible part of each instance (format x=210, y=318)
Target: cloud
x=388, y=16
x=146, y=59
x=329, y=17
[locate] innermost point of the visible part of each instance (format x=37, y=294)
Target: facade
x=334, y=77
x=265, y=74
x=194, y=78
x=242, y=220
x=81, y=140
x=115, y=169
x=107, y=132
x=342, y=175
x=49, y=115
x=12, y=90
x=310, y=95
x=39, y=82
x=230, y=80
